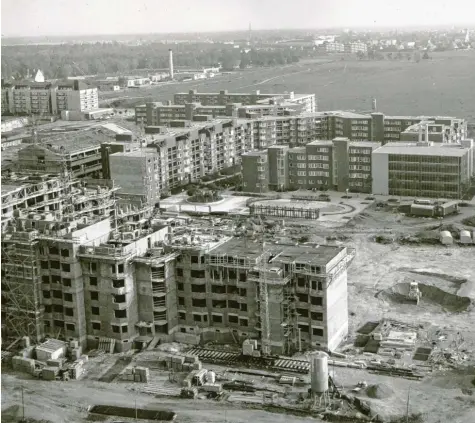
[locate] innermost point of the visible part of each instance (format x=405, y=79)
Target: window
x=217, y=318
x=233, y=304
x=66, y=282
x=46, y=294
x=243, y=307
x=69, y=311
x=95, y=311
x=68, y=297
x=179, y=272
x=198, y=288
x=57, y=294
x=318, y=301
x=45, y=279
x=182, y=315
x=64, y=252
x=181, y=301
x=96, y=326
x=197, y=317
x=115, y=328
x=118, y=283
x=233, y=319
x=93, y=281
x=196, y=302
x=317, y=331
x=57, y=308
x=119, y=299
x=316, y=316
x=47, y=308
x=243, y=322
x=120, y=268
x=56, y=279
x=120, y=314
x=44, y=265
x=180, y=287
x=93, y=267
x=94, y=295
x=59, y=324
x=197, y=273
x=54, y=264
x=242, y=292
x=65, y=267
x=125, y=328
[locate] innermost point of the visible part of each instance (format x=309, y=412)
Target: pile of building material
x=398, y=341
x=52, y=349
x=465, y=237
x=181, y=363
x=75, y=350
x=136, y=374
x=50, y=372
x=107, y=345
x=22, y=364
x=76, y=369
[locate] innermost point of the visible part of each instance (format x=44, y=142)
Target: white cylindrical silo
x=170, y=56
x=319, y=373
x=211, y=377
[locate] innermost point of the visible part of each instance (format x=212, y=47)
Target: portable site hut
x=427, y=210
x=446, y=238
x=465, y=237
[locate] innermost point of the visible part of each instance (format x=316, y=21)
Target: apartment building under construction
x=78, y=265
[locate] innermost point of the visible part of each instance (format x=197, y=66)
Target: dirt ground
x=446, y=394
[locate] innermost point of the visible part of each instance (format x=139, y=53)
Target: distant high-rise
x=467, y=36
x=250, y=34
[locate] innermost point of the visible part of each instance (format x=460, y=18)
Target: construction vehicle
x=414, y=292
x=189, y=393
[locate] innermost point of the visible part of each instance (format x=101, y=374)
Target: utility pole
x=407, y=405
x=22, y=404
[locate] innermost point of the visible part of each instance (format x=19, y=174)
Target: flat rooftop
x=73, y=142
x=136, y=153
x=315, y=254
x=238, y=247
x=413, y=149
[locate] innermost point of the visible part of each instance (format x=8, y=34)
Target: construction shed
x=465, y=237
x=427, y=210
x=446, y=238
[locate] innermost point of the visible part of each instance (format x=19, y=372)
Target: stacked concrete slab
x=179, y=363
x=136, y=374
x=51, y=349
x=22, y=364
x=50, y=372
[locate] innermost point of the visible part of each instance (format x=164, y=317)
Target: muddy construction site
x=403, y=360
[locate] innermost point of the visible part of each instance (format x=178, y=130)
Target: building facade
x=46, y=98
x=423, y=169
x=339, y=164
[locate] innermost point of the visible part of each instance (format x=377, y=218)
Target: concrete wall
x=380, y=173
x=336, y=311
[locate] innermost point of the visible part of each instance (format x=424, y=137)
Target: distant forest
x=62, y=61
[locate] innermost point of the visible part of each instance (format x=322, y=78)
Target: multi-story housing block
x=46, y=98
x=255, y=171
x=224, y=97
x=78, y=153
x=423, y=169
x=339, y=164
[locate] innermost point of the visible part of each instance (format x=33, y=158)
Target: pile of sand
x=379, y=391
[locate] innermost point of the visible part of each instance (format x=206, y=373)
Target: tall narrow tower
x=170, y=59
x=249, y=37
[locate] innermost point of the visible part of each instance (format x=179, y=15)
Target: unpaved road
x=68, y=401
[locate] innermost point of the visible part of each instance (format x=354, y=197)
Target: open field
x=440, y=86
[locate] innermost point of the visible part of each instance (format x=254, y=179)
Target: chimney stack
x=170, y=54
x=427, y=132
x=420, y=133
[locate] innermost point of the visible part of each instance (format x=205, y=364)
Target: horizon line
x=227, y=31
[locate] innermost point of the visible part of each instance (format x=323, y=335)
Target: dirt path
x=68, y=401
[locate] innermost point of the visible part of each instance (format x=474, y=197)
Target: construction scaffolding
x=284, y=211
x=22, y=312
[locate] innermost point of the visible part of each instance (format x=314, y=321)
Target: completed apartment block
x=423, y=169
x=224, y=97
x=339, y=164
x=45, y=98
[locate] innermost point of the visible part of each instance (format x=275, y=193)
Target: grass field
x=443, y=85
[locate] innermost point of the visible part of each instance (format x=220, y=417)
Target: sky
x=94, y=17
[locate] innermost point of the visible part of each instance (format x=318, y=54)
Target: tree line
x=62, y=61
